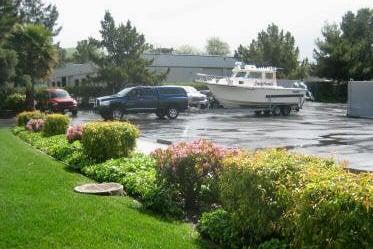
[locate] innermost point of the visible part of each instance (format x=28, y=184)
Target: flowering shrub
x=190, y=171
x=35, y=125
x=24, y=117
x=74, y=133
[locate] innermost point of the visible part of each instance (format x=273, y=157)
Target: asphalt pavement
x=319, y=129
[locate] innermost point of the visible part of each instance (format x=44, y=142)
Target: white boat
x=254, y=87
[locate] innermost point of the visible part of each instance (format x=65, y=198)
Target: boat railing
x=205, y=78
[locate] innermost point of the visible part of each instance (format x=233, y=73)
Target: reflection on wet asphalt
x=321, y=129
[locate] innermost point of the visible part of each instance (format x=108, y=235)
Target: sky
x=172, y=23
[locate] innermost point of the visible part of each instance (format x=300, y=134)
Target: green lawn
x=38, y=209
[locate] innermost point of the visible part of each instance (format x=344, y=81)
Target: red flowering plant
x=74, y=133
x=190, y=173
x=35, y=125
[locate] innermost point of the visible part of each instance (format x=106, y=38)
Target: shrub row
x=306, y=201
x=267, y=199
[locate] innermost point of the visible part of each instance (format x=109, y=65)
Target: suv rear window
x=172, y=91
x=59, y=94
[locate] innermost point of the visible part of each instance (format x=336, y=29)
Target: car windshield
x=124, y=91
x=190, y=90
x=59, y=94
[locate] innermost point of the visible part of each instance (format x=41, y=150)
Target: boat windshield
x=254, y=75
x=240, y=74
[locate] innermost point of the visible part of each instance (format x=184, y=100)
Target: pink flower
x=74, y=132
x=35, y=125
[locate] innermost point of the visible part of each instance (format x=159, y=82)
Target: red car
x=57, y=100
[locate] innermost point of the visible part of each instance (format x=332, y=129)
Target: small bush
x=136, y=174
x=56, y=124
x=35, y=125
x=15, y=102
x=109, y=140
x=189, y=171
x=24, y=117
x=217, y=226
x=74, y=133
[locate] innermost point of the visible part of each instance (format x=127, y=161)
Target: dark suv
x=161, y=100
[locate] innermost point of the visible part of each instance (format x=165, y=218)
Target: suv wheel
x=160, y=114
x=172, y=112
x=117, y=114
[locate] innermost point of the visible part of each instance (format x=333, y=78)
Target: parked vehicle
x=256, y=88
x=162, y=100
x=56, y=100
x=213, y=102
x=195, y=98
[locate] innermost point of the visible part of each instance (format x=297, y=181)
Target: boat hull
x=251, y=97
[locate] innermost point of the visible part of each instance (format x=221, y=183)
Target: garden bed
x=266, y=199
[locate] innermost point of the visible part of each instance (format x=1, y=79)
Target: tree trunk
x=30, y=100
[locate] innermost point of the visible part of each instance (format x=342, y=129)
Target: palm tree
x=37, y=56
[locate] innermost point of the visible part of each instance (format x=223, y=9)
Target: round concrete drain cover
x=110, y=188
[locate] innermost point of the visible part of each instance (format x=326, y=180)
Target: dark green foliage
x=55, y=124
x=86, y=51
x=273, y=47
x=24, y=117
x=123, y=62
x=217, y=227
x=215, y=46
x=37, y=12
x=328, y=92
x=136, y=174
x=8, y=18
x=15, y=102
x=106, y=140
x=273, y=244
x=8, y=62
x=345, y=51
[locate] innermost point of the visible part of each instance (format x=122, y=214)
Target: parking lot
x=320, y=129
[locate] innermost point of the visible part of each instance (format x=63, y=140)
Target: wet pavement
x=320, y=129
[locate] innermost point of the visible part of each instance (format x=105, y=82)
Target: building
x=72, y=74
x=182, y=68
x=360, y=101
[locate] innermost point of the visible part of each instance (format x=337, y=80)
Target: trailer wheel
x=258, y=113
x=285, y=110
x=276, y=111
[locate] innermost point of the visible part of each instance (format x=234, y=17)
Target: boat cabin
x=253, y=76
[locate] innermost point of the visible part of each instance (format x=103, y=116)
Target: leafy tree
x=272, y=47
x=215, y=46
x=187, y=49
x=37, y=12
x=86, y=51
x=37, y=56
x=346, y=51
x=122, y=62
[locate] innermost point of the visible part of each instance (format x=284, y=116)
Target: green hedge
x=55, y=124
x=108, y=140
x=24, y=117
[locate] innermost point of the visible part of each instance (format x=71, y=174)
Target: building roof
x=70, y=69
x=191, y=61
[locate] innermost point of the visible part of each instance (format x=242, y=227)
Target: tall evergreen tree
x=346, y=50
x=123, y=62
x=273, y=47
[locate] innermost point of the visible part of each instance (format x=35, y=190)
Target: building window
x=63, y=81
x=53, y=83
x=77, y=82
x=59, y=84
